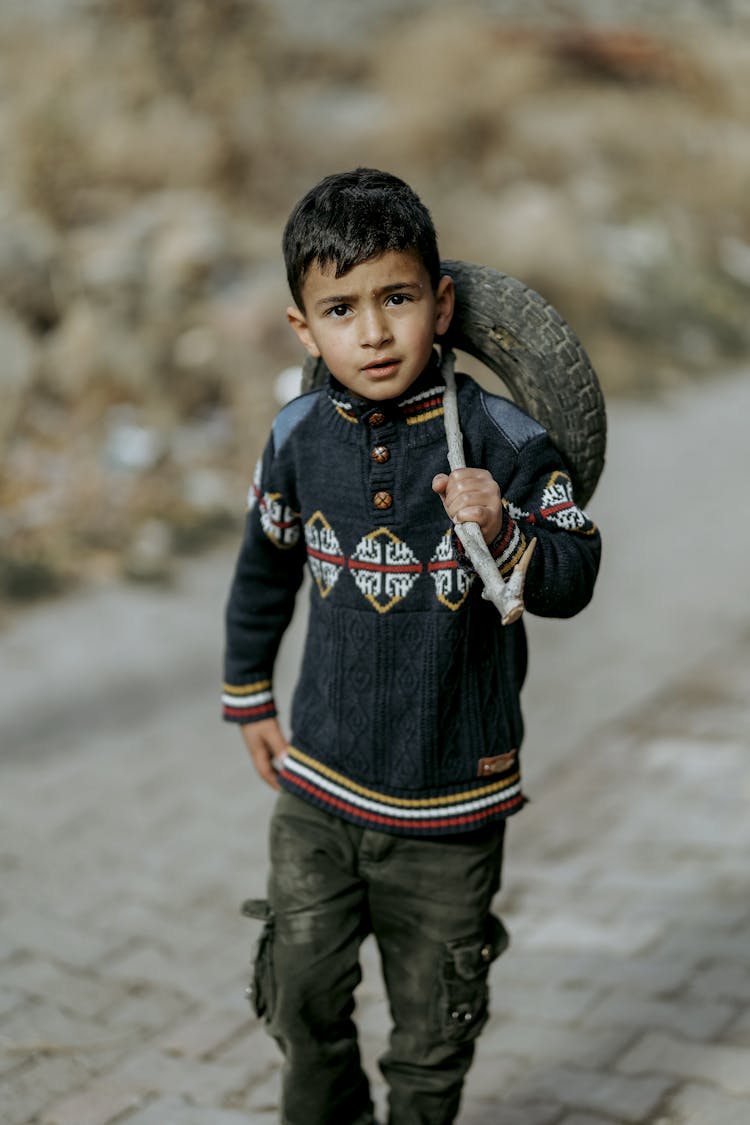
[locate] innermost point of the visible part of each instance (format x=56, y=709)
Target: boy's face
x=375, y=325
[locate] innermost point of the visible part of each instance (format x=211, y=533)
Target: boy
x=403, y=760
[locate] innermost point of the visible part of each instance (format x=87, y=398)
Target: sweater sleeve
x=267, y=576
x=538, y=503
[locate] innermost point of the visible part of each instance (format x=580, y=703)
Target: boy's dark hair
x=351, y=217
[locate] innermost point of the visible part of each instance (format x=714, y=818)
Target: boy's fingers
x=440, y=483
x=263, y=761
x=265, y=742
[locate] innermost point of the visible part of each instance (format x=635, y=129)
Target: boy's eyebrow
x=344, y=298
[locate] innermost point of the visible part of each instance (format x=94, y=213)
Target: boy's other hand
x=265, y=742
x=472, y=496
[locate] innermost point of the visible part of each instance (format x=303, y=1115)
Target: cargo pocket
x=261, y=992
x=463, y=993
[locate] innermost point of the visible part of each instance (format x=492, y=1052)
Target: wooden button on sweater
x=381, y=454
x=382, y=500
x=377, y=418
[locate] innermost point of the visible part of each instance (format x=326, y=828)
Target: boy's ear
x=445, y=300
x=300, y=328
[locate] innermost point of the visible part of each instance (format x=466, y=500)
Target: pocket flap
x=256, y=908
x=472, y=956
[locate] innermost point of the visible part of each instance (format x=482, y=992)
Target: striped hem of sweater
x=457, y=809
x=249, y=702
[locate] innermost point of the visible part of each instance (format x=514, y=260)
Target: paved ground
x=132, y=827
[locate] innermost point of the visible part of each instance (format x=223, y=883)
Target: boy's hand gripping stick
x=507, y=597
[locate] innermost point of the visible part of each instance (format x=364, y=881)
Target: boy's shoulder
x=516, y=426
x=290, y=416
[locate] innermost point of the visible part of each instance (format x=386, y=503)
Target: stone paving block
x=574, y=930
x=148, y=964
x=372, y=1015
x=72, y=990
x=28, y=1089
x=694, y=1105
x=40, y=1023
x=205, y=1032
x=254, y=1052
x=596, y=1091
x=27, y=930
x=687, y=1017
x=503, y=1112
x=739, y=1030
x=265, y=1096
x=103, y=1100
x=728, y=979
x=652, y=975
x=724, y=1066
x=202, y=1082
x=10, y=999
x=195, y=977
x=587, y=1119
x=554, y=1044
x=176, y=1111
x=146, y=1007
x=696, y=939
x=548, y=1002
x=490, y=1081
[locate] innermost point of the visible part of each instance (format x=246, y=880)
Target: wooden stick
x=506, y=597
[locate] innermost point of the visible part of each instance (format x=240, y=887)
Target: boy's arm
x=267, y=576
x=538, y=503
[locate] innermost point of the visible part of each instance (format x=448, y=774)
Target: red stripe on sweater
x=383, y=568
x=339, y=560
x=426, y=404
x=556, y=508
x=247, y=712
x=398, y=822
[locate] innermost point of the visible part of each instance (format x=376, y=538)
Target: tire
x=524, y=340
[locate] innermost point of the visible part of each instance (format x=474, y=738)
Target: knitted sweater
x=406, y=715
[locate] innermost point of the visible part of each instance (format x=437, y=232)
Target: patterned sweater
x=406, y=716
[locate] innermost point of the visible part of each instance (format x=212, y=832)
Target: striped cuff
x=248, y=703
x=506, y=548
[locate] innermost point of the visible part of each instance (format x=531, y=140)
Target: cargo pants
x=427, y=902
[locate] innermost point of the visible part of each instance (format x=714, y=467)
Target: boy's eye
x=399, y=298
x=337, y=311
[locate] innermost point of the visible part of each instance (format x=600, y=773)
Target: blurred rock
x=191, y=241
x=537, y=230
x=30, y=254
x=149, y=555
x=164, y=142
x=98, y=346
x=208, y=491
x=287, y=385
x=196, y=348
x=734, y=258
x=17, y=369
x=131, y=447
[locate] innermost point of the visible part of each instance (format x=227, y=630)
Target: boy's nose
x=374, y=330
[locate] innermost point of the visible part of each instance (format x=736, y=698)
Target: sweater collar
x=422, y=402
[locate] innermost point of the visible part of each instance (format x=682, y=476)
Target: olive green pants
x=427, y=901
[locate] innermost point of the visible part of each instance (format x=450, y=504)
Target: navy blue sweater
x=406, y=716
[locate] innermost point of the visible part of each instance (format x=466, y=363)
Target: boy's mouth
x=382, y=367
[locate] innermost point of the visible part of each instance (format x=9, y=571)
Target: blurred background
x=150, y=152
